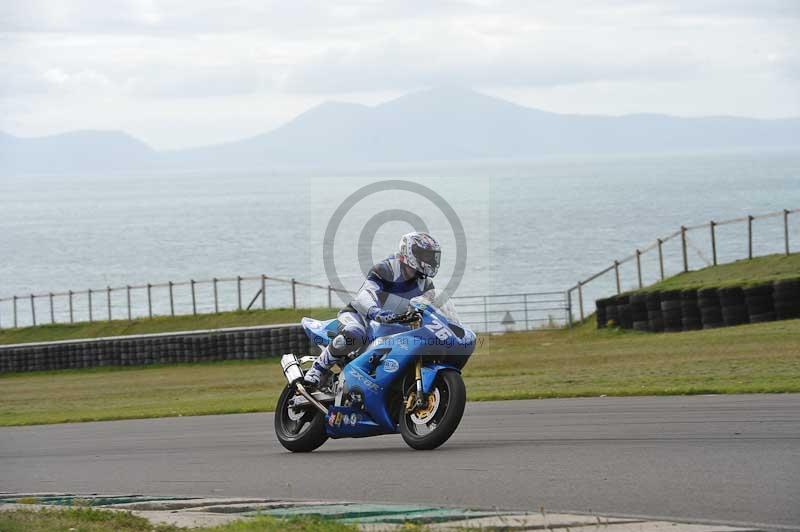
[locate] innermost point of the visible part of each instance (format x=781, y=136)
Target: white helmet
x=420, y=251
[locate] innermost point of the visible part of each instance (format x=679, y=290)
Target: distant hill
x=438, y=124
x=76, y=151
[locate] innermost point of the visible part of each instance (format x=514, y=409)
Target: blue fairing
x=318, y=331
x=376, y=373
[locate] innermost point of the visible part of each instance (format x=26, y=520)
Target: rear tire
x=452, y=397
x=304, y=433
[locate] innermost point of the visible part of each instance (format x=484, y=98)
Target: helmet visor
x=427, y=256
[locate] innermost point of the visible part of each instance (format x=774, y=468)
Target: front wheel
x=301, y=430
x=428, y=427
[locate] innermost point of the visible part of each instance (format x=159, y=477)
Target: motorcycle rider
x=386, y=292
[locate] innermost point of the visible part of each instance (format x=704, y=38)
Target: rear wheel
x=429, y=427
x=298, y=430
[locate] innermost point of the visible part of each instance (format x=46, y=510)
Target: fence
x=709, y=239
x=170, y=298
x=514, y=312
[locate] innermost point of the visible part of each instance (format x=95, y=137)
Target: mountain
x=76, y=151
x=438, y=124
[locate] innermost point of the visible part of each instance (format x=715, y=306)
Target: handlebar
x=406, y=318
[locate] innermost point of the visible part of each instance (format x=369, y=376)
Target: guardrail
x=576, y=295
x=514, y=312
x=166, y=299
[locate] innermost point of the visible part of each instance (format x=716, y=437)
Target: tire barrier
x=671, y=310
x=612, y=316
x=705, y=308
x=170, y=348
x=710, y=309
x=624, y=312
x=601, y=313
x=654, y=316
x=786, y=299
x=690, y=312
x=734, y=309
x=758, y=300
x=638, y=309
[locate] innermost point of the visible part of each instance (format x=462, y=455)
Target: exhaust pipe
x=293, y=373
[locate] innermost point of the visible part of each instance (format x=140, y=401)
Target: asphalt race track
x=705, y=458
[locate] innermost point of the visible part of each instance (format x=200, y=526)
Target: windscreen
x=442, y=302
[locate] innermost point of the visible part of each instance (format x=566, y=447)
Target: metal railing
x=484, y=313
x=514, y=312
x=577, y=295
x=161, y=299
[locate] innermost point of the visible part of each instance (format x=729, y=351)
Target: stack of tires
x=654, y=316
x=624, y=312
x=690, y=312
x=706, y=308
x=637, y=304
x=734, y=308
x=671, y=310
x=759, y=303
x=786, y=299
x=602, y=319
x=710, y=309
x=612, y=316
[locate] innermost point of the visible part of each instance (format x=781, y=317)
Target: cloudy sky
x=178, y=73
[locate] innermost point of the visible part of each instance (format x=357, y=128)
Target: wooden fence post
x=52, y=312
x=108, y=301
x=569, y=308
x=14, y=307
x=70, y=308
x=294, y=294
x=580, y=299
x=128, y=297
x=616, y=274
x=171, y=301
x=485, y=315
x=239, y=290
x=683, y=250
x=330, y=299
x=525, y=304
x=33, y=311
x=194, y=299
x=786, y=230
x=639, y=266
x=91, y=318
x=263, y=292
x=149, y=301
x=661, y=258
x=216, y=300
x=712, y=225
x=749, y=236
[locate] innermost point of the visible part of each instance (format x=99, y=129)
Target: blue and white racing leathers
x=385, y=288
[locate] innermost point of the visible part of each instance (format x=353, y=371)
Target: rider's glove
x=380, y=315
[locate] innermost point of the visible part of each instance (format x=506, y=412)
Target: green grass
x=92, y=520
x=740, y=273
x=563, y=363
x=160, y=324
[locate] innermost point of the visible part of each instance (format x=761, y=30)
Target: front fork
x=416, y=399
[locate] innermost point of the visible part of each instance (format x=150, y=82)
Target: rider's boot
x=321, y=366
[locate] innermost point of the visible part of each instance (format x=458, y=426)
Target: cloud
x=595, y=56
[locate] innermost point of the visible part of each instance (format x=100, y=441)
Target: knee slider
x=349, y=339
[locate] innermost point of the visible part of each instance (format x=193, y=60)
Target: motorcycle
x=406, y=380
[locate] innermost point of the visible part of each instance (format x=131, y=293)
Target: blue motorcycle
x=406, y=380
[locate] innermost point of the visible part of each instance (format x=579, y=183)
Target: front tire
x=298, y=431
x=448, y=396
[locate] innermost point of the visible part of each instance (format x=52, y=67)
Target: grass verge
x=159, y=324
x=92, y=520
x=740, y=273
x=579, y=362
